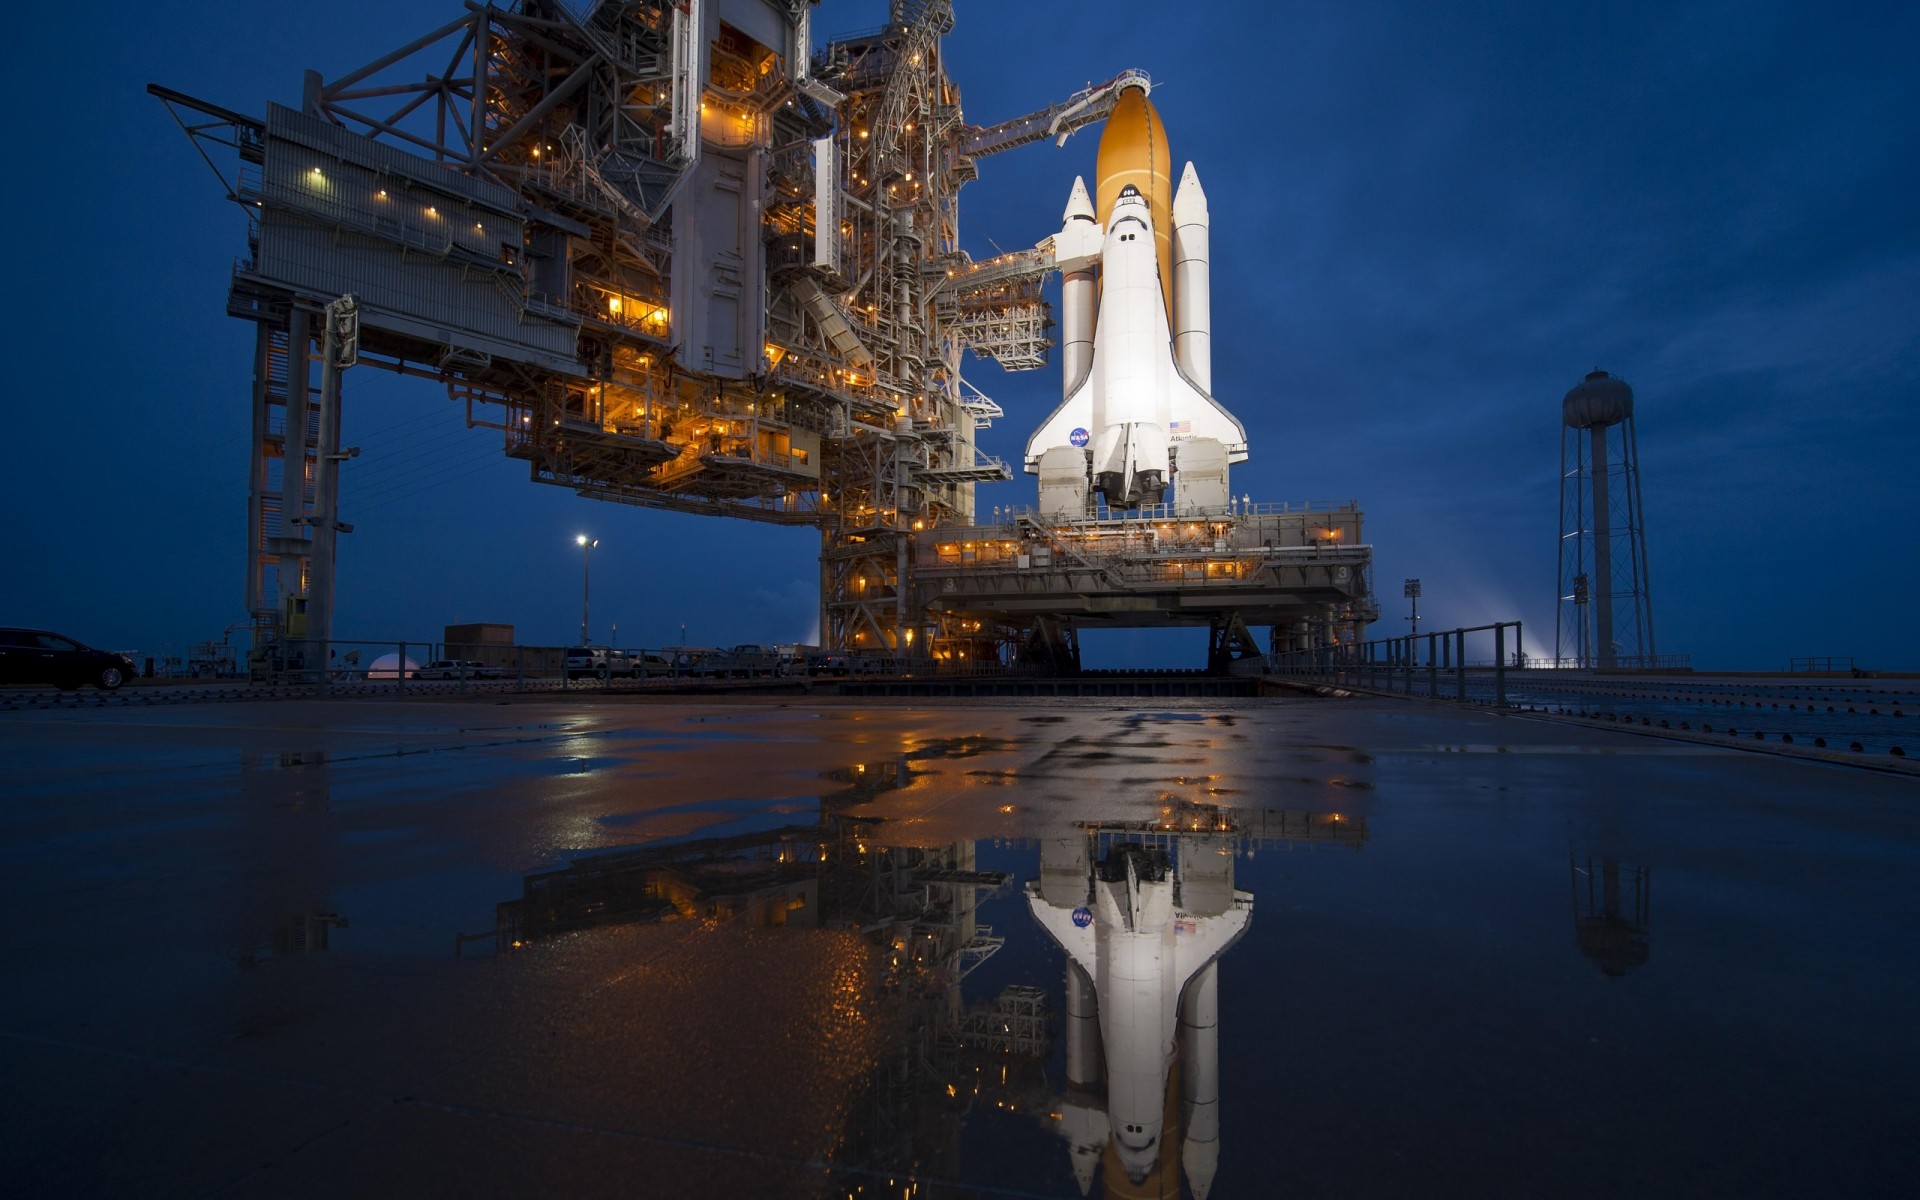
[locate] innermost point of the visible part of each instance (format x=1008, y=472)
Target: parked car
x=452, y=668
x=686, y=660
x=601, y=662
x=841, y=662
x=748, y=660
x=650, y=665
x=584, y=660
x=829, y=662
x=38, y=656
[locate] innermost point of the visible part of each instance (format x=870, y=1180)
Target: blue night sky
x=1429, y=221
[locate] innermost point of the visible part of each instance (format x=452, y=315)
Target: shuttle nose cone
x=1137, y=1161
x=1189, y=199
x=1079, y=204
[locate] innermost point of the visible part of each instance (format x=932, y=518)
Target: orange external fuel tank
x=1133, y=150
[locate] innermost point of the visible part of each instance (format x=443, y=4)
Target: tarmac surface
x=1531, y=957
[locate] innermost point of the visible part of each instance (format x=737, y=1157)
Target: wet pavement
x=576, y=946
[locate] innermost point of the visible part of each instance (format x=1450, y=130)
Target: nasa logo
x=1083, y=917
x=1078, y=437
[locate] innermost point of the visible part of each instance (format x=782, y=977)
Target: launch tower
x=682, y=254
x=676, y=253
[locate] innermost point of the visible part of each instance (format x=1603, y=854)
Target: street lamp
x=1412, y=593
x=586, y=545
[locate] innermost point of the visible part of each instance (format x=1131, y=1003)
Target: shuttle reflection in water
x=1144, y=912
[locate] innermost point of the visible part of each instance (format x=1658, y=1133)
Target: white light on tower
x=586, y=545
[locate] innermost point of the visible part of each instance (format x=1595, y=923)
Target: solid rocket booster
x=1136, y=324
x=1082, y=1121
x=1192, y=283
x=1077, y=300
x=1200, y=1079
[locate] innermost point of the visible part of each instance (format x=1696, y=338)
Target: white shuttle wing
x=1076, y=939
x=1200, y=940
x=1075, y=412
x=1198, y=415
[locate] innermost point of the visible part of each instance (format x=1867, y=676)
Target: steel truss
x=596, y=118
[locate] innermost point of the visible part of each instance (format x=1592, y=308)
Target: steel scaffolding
x=675, y=254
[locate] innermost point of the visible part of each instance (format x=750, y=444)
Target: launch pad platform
x=1301, y=569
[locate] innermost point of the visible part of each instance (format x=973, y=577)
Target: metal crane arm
x=1057, y=121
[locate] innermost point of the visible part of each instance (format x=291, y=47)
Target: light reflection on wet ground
x=757, y=949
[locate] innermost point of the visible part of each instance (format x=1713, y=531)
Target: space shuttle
x=1143, y=936
x=1136, y=337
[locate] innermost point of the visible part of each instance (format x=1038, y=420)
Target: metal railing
x=1437, y=665
x=1823, y=664
x=1621, y=662
x=378, y=665
x=1151, y=513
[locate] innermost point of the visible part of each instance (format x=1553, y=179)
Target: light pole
x=586, y=545
x=1412, y=593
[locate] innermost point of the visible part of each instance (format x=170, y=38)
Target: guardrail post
x=1460, y=665
x=1499, y=665
x=400, y=668
x=1433, y=669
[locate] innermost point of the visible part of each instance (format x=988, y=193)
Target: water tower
x=1606, y=616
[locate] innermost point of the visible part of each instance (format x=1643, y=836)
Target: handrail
x=1395, y=664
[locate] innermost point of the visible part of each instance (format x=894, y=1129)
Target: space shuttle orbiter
x=1136, y=336
x=1152, y=967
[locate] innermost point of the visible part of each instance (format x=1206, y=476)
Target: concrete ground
x=231, y=962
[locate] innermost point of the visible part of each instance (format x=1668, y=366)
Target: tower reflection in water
x=1143, y=911
x=282, y=909
x=1611, y=912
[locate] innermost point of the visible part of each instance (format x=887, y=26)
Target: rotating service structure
x=676, y=253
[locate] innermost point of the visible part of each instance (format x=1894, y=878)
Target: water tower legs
x=1602, y=554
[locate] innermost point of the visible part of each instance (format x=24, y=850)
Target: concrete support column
x=257, y=470
x=326, y=503
x=293, y=449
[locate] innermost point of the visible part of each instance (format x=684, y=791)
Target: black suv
x=36, y=656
